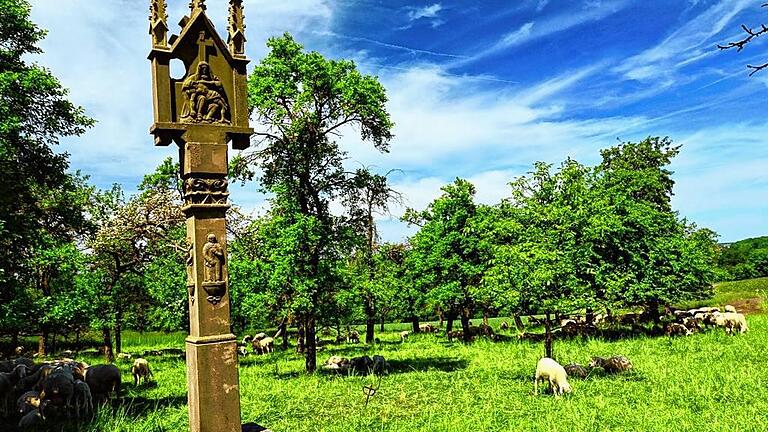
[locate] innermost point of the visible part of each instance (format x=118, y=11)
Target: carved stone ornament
x=213, y=258
x=190, y=261
x=205, y=100
x=205, y=191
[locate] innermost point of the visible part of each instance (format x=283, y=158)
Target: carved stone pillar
x=212, y=375
x=202, y=112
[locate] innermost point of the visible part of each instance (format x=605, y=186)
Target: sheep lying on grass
x=576, y=370
x=614, y=364
x=139, y=370
x=550, y=370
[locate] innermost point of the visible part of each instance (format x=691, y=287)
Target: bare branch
x=756, y=69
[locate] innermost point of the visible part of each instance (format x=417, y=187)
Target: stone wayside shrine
x=202, y=112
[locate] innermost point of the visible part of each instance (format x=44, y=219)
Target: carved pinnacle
x=197, y=4
x=236, y=27
x=158, y=25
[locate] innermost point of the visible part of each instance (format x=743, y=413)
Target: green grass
x=708, y=381
x=705, y=382
x=747, y=294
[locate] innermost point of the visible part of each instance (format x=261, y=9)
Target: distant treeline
x=744, y=259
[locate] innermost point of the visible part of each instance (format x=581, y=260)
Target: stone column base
x=212, y=380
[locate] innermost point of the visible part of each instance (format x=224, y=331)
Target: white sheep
x=729, y=308
x=139, y=370
x=731, y=322
x=548, y=369
x=404, y=335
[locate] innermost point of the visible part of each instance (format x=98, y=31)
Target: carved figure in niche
x=213, y=255
x=206, y=102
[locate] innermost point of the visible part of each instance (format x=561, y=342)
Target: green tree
x=34, y=114
x=647, y=255
x=542, y=250
x=369, y=196
x=304, y=101
x=446, y=251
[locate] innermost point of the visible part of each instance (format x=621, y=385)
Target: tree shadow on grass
x=442, y=364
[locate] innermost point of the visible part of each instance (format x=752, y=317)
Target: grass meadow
x=705, y=382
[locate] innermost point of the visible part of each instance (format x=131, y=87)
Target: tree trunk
x=548, y=337
x=590, y=317
x=415, y=324
x=42, y=342
x=53, y=343
x=519, y=323
x=107, y=346
x=653, y=311
x=370, y=324
x=449, y=323
x=118, y=337
x=14, y=339
x=441, y=316
x=467, y=337
x=283, y=331
x=77, y=340
x=381, y=326
x=311, y=346
x=300, y=337
x=485, y=318
x=370, y=320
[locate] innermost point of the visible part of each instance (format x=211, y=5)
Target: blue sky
x=478, y=89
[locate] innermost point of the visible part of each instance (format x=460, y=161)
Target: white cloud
x=430, y=11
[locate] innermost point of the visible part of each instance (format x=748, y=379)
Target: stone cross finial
x=236, y=28
x=158, y=26
x=197, y=4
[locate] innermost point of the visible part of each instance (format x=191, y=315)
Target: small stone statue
x=213, y=254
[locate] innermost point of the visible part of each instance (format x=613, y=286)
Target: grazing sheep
x=32, y=419
x=576, y=370
x=8, y=381
x=103, y=380
x=729, y=308
x=550, y=370
x=264, y=345
x=124, y=356
x=614, y=364
x=83, y=399
x=27, y=402
x=361, y=365
x=259, y=336
x=504, y=326
x=353, y=337
x=404, y=335
x=139, y=370
x=676, y=329
x=427, y=328
x=58, y=389
x=731, y=322
x=380, y=365
x=242, y=351
x=247, y=339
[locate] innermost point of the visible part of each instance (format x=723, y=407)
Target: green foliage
x=446, y=250
x=744, y=259
x=303, y=101
x=39, y=205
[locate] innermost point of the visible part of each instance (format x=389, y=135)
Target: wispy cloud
x=533, y=30
x=389, y=45
x=689, y=43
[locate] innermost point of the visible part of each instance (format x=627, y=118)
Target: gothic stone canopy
x=213, y=90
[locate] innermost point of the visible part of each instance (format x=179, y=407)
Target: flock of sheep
x=58, y=389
